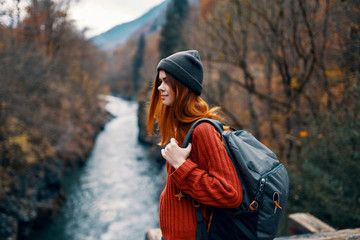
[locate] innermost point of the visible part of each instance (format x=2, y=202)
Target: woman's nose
x=161, y=87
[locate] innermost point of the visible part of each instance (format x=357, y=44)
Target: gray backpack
x=265, y=185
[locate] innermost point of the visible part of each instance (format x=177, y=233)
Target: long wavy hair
x=176, y=120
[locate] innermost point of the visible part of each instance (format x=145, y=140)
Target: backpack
x=265, y=186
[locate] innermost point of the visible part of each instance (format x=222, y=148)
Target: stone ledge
x=302, y=223
x=350, y=234
x=153, y=234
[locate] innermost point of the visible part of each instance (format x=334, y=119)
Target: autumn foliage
x=50, y=81
x=49, y=109
x=288, y=71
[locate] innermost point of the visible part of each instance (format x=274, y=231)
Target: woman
x=202, y=171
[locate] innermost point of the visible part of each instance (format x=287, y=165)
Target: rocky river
x=115, y=194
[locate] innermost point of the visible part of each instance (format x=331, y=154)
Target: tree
x=282, y=57
x=138, y=60
x=294, y=72
x=171, y=35
x=325, y=179
x=49, y=109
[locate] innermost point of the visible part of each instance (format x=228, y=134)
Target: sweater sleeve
x=209, y=175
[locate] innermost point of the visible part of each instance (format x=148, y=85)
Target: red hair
x=176, y=120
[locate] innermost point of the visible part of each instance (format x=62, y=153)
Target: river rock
x=31, y=197
x=9, y=227
x=153, y=234
x=142, y=120
x=22, y=211
x=144, y=137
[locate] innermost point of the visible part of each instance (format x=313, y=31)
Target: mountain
x=147, y=23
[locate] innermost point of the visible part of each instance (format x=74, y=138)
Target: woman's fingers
x=174, y=154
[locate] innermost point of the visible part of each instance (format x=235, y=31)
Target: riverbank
x=31, y=192
x=115, y=195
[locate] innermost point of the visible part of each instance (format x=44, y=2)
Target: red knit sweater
x=208, y=176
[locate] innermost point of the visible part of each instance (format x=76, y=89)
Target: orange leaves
x=294, y=83
x=335, y=74
x=23, y=143
x=52, y=97
x=1, y=47
x=228, y=18
x=303, y=134
x=24, y=146
x=207, y=7
x=296, y=70
x=37, y=20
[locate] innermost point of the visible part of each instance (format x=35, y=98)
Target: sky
x=101, y=15
x=96, y=15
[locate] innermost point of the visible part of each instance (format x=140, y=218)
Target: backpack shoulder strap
x=217, y=124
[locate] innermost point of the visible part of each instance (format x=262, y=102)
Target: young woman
x=202, y=171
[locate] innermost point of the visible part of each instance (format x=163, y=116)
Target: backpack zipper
x=255, y=204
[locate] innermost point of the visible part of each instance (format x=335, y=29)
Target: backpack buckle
x=254, y=205
x=195, y=203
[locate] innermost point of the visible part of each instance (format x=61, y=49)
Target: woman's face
x=166, y=92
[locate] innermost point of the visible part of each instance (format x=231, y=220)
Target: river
x=115, y=194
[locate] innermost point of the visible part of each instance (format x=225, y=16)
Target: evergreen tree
x=171, y=35
x=325, y=178
x=138, y=62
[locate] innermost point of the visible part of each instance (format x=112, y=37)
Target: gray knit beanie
x=186, y=67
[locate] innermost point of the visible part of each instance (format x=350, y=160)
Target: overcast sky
x=97, y=15
x=101, y=15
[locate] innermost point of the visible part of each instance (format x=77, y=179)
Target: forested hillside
x=50, y=79
x=286, y=70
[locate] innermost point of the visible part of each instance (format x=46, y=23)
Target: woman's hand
x=174, y=154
